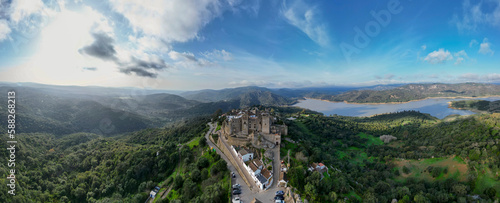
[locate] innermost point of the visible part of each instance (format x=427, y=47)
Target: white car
x=237, y=200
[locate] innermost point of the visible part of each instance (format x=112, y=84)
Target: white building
x=242, y=153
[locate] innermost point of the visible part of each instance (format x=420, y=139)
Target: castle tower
x=266, y=123
x=244, y=124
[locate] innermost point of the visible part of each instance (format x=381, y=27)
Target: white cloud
x=174, y=20
x=424, y=47
x=472, y=43
x=305, y=17
x=149, y=43
x=252, y=6
x=189, y=60
x=4, y=30
x=461, y=55
x=439, y=56
x=485, y=47
x=469, y=76
x=20, y=9
x=219, y=55
x=483, y=13
x=490, y=77
x=459, y=61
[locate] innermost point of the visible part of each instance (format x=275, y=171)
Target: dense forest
x=425, y=160
x=85, y=167
x=477, y=105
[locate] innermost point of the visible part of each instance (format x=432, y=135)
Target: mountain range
x=68, y=109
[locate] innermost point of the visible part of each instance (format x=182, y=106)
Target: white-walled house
x=242, y=153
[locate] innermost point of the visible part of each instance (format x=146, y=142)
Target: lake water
x=437, y=107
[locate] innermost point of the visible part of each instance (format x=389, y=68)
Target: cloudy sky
x=199, y=44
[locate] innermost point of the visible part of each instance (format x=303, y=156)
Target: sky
x=214, y=44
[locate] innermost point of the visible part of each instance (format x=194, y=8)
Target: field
x=455, y=167
x=372, y=140
x=486, y=179
x=194, y=142
x=357, y=155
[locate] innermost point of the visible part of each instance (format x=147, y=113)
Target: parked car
x=279, y=197
x=232, y=174
x=237, y=200
x=236, y=192
x=236, y=186
x=281, y=192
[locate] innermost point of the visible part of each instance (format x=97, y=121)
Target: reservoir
x=437, y=107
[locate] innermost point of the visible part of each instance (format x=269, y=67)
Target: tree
x=311, y=191
x=406, y=170
x=202, y=162
x=459, y=189
x=491, y=192
x=204, y=174
x=436, y=171
x=297, y=177
x=189, y=189
x=402, y=191
x=178, y=181
x=196, y=175
x=203, y=142
x=420, y=198
x=369, y=197
x=333, y=196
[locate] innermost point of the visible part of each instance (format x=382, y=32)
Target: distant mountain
x=46, y=110
x=414, y=92
x=246, y=99
x=208, y=95
x=247, y=96
x=220, y=95
x=66, y=109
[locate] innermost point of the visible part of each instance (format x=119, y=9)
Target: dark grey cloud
x=90, y=68
x=157, y=64
x=139, y=72
x=102, y=47
x=143, y=67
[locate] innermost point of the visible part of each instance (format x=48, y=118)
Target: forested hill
x=415, y=92
x=407, y=156
x=85, y=167
x=477, y=105
x=247, y=96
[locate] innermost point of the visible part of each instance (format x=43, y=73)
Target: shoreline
x=378, y=103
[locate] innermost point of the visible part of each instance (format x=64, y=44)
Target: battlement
x=245, y=122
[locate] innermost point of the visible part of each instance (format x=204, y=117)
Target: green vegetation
x=85, y=167
x=431, y=161
x=477, y=105
x=194, y=142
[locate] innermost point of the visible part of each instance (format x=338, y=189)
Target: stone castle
x=251, y=123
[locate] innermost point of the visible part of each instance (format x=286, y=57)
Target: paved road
x=248, y=195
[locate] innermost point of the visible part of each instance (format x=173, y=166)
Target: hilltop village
x=251, y=140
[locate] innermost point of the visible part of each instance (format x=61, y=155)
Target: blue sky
x=187, y=44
